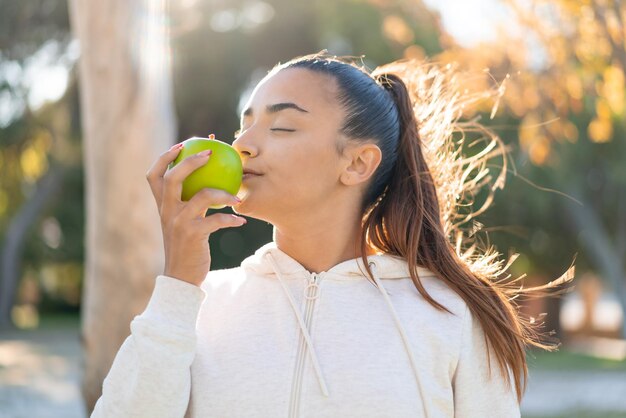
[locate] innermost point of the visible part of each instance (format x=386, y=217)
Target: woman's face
x=288, y=131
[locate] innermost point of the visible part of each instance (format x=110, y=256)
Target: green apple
x=223, y=170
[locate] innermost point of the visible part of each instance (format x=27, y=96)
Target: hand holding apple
x=185, y=227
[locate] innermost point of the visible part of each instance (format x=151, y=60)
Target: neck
x=320, y=249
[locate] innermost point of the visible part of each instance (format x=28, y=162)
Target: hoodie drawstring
x=305, y=332
x=405, y=339
x=307, y=337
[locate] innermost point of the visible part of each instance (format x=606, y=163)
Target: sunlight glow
x=251, y=15
x=471, y=21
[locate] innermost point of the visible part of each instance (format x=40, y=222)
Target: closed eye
x=238, y=131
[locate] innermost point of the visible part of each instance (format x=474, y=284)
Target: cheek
x=314, y=173
x=305, y=174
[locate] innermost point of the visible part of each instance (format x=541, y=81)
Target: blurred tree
x=567, y=90
x=39, y=153
x=128, y=120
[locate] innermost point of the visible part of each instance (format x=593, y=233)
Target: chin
x=242, y=208
x=249, y=209
x=239, y=209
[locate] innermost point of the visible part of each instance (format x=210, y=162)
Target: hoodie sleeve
x=150, y=375
x=475, y=395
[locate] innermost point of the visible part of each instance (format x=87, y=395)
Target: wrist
x=184, y=277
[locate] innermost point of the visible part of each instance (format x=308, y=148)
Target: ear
x=361, y=161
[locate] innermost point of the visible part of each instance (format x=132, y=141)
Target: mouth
x=248, y=173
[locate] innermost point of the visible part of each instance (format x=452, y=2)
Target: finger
x=173, y=179
x=201, y=201
x=217, y=221
x=157, y=171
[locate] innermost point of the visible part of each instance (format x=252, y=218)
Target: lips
x=248, y=171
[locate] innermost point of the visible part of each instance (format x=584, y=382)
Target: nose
x=244, y=146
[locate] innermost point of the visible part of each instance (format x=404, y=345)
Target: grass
x=567, y=360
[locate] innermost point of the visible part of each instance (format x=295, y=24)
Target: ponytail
x=407, y=221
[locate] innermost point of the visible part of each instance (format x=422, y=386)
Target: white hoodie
x=270, y=339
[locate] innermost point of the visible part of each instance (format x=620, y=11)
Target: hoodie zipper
x=311, y=293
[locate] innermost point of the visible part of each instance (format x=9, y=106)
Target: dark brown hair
x=404, y=215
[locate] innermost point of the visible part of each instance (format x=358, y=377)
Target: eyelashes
x=238, y=131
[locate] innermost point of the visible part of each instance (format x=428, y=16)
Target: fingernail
x=205, y=153
x=237, y=199
x=176, y=146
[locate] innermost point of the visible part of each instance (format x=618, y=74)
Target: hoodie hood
x=387, y=266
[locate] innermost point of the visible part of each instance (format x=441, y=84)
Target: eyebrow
x=275, y=108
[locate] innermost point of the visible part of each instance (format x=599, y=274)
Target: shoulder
x=448, y=325
x=433, y=283
x=444, y=294
x=444, y=322
x=223, y=279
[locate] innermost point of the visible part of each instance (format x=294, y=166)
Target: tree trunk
x=19, y=226
x=128, y=120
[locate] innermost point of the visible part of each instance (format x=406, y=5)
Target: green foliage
x=25, y=25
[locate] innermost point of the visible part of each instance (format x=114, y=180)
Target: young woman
x=359, y=307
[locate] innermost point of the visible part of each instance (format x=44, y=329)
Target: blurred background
x=79, y=234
